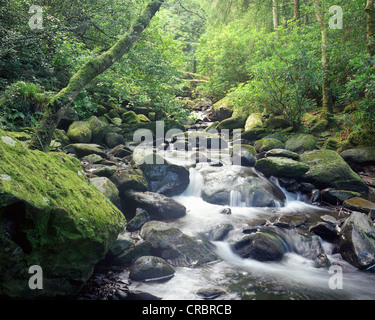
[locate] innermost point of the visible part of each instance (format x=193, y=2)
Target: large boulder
x=85, y=149
x=282, y=167
x=261, y=246
x=254, y=120
x=174, y=246
x=357, y=241
x=329, y=170
x=359, y=156
x=232, y=123
x=129, y=179
x=98, y=129
x=107, y=188
x=264, y=145
x=223, y=109
x=52, y=217
x=80, y=132
x=158, y=206
x=244, y=155
x=301, y=143
x=359, y=204
x=165, y=178
x=221, y=184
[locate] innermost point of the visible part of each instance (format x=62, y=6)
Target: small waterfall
x=290, y=197
x=236, y=199
x=196, y=184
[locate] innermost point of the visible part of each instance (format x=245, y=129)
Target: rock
x=232, y=123
x=98, y=129
x=68, y=118
x=210, y=293
x=357, y=241
x=226, y=210
x=261, y=246
x=93, y=159
x=130, y=117
x=253, y=134
x=324, y=230
x=65, y=224
x=141, y=217
x=118, y=247
x=223, y=109
x=151, y=268
x=301, y=143
x=331, y=144
x=311, y=248
x=127, y=258
x=282, y=153
x=113, y=139
x=359, y=156
x=143, y=118
x=277, y=135
x=254, y=120
x=179, y=249
x=107, y=188
x=362, y=138
x=84, y=149
x=329, y=170
x=244, y=155
x=206, y=140
x=320, y=126
x=61, y=136
x=282, y=167
x=329, y=219
x=129, y=179
x=168, y=179
x=106, y=171
x=359, y=204
x=276, y=122
x=120, y=151
x=291, y=221
x=264, y=145
x=223, y=183
x=80, y=132
x=219, y=233
x=158, y=206
x=117, y=121
x=336, y=197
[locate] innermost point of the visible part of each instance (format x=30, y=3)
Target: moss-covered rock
x=359, y=156
x=283, y=154
x=282, y=167
x=244, y=155
x=51, y=217
x=223, y=109
x=301, y=143
x=107, y=188
x=113, y=139
x=359, y=204
x=98, y=129
x=329, y=170
x=130, y=117
x=60, y=136
x=362, y=138
x=267, y=145
x=253, y=134
x=80, y=132
x=254, y=120
x=143, y=118
x=232, y=123
x=320, y=126
x=85, y=149
x=130, y=179
x=150, y=268
x=331, y=144
x=276, y=122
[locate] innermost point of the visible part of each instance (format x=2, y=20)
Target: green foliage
x=22, y=104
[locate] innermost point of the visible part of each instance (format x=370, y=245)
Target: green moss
x=268, y=144
x=80, y=132
x=130, y=117
x=362, y=138
x=282, y=167
x=301, y=143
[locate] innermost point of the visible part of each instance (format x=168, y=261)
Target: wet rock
x=150, y=268
x=336, y=197
x=226, y=210
x=244, y=155
x=232, y=123
x=129, y=179
x=223, y=109
x=107, y=188
x=210, y=293
x=313, y=250
x=121, y=244
x=179, y=249
x=98, y=129
x=85, y=149
x=329, y=219
x=282, y=167
x=359, y=156
x=264, y=145
x=92, y=159
x=261, y=246
x=142, y=248
x=291, y=221
x=80, y=132
x=106, y=171
x=113, y=139
x=357, y=241
x=220, y=183
x=359, y=204
x=220, y=232
x=165, y=178
x=158, y=206
x=324, y=230
x=282, y=153
x=329, y=170
x=120, y=151
x=141, y=217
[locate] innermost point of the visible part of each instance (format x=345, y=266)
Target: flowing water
x=294, y=277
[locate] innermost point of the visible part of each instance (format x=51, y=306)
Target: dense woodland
x=279, y=56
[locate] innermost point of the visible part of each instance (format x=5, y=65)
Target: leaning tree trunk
x=275, y=13
x=61, y=101
x=327, y=96
x=297, y=12
x=370, y=12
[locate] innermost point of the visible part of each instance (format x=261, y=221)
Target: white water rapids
x=294, y=277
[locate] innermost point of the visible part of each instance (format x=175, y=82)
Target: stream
x=294, y=277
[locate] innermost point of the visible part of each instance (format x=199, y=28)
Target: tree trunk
x=370, y=12
x=297, y=13
x=275, y=12
x=61, y=101
x=327, y=96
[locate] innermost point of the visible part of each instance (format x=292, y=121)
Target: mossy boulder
x=253, y=120
x=283, y=154
x=143, y=118
x=253, y=134
x=282, y=167
x=98, y=129
x=60, y=136
x=223, y=109
x=359, y=204
x=244, y=155
x=85, y=149
x=359, y=155
x=320, y=127
x=232, y=123
x=107, y=188
x=53, y=217
x=331, y=144
x=362, y=138
x=329, y=170
x=276, y=122
x=80, y=132
x=113, y=139
x=130, y=117
x=129, y=179
x=301, y=143
x=264, y=145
